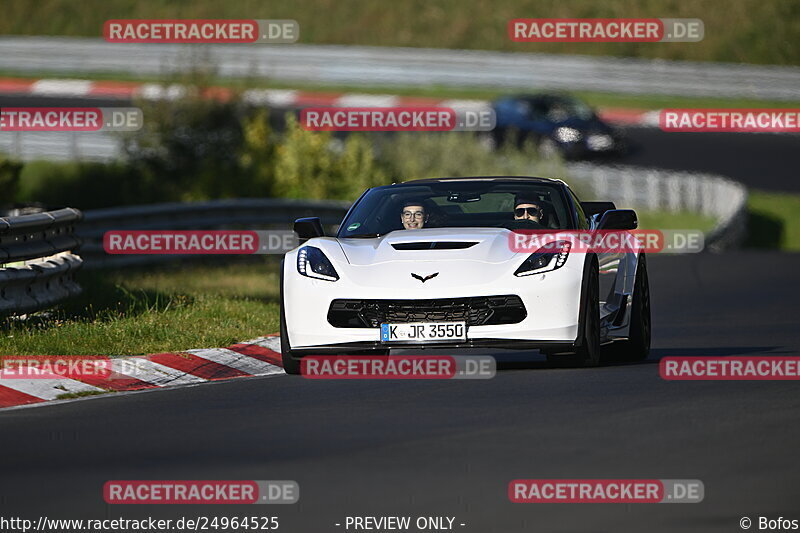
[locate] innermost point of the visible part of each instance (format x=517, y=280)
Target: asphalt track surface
x=451, y=447
x=765, y=161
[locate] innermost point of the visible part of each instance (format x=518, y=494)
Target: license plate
x=424, y=331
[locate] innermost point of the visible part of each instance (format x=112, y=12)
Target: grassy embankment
x=747, y=31
x=151, y=311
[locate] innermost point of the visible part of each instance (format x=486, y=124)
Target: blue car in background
x=557, y=123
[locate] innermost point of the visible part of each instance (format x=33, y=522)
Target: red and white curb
x=257, y=357
x=279, y=98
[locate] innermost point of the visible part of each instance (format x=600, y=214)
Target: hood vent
x=433, y=245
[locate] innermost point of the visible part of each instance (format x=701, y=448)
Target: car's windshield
x=562, y=108
x=457, y=204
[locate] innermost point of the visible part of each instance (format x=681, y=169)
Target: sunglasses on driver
x=532, y=211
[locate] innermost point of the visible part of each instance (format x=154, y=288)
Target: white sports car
x=429, y=263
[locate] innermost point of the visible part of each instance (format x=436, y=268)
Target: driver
x=413, y=215
x=526, y=208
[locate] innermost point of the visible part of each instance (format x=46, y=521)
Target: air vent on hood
x=433, y=245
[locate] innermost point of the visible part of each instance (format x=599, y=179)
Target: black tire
x=588, y=353
x=291, y=365
x=637, y=347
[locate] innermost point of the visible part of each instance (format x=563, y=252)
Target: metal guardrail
x=37, y=263
x=61, y=146
x=374, y=66
x=255, y=213
x=651, y=189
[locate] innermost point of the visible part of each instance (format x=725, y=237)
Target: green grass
x=155, y=310
x=750, y=31
x=594, y=98
x=682, y=220
x=82, y=394
x=774, y=220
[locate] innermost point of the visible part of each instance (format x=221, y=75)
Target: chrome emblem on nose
x=424, y=279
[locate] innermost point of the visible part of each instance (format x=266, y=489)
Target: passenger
x=527, y=209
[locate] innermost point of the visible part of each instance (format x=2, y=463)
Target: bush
x=412, y=155
x=315, y=165
x=9, y=180
x=259, y=145
x=190, y=149
x=86, y=185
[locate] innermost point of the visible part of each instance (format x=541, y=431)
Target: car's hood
x=486, y=245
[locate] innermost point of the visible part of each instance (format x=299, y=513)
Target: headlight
x=599, y=142
x=312, y=262
x=566, y=134
x=549, y=257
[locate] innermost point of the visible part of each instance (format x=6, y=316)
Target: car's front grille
x=475, y=311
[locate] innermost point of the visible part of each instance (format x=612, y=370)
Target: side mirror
x=619, y=219
x=308, y=228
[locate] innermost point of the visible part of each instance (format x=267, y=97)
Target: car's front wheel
x=291, y=365
x=587, y=354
